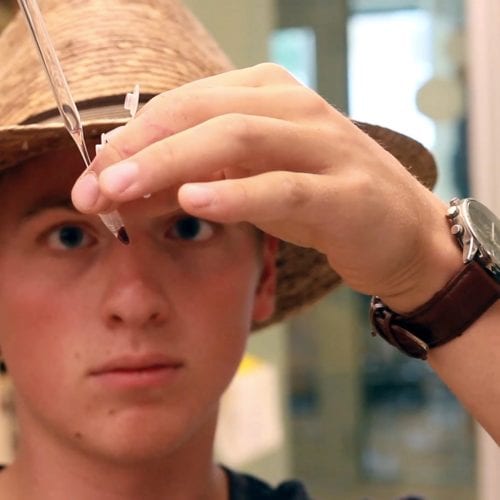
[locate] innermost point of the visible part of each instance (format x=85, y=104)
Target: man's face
x=116, y=350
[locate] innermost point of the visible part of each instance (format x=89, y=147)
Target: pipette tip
x=123, y=236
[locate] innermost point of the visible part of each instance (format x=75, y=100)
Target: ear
x=265, y=294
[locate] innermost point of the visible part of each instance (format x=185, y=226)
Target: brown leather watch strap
x=445, y=316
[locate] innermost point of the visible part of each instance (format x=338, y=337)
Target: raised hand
x=254, y=145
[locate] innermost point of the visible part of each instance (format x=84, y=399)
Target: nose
x=134, y=296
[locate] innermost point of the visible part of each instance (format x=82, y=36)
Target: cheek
x=31, y=303
x=220, y=288
x=223, y=295
x=220, y=313
x=35, y=323
x=217, y=304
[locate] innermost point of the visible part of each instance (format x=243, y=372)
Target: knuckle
x=242, y=196
x=312, y=102
x=318, y=105
x=295, y=191
x=177, y=105
x=361, y=183
x=163, y=110
x=154, y=130
x=274, y=71
x=169, y=110
x=239, y=127
x=164, y=154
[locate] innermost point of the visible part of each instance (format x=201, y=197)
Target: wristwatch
x=463, y=299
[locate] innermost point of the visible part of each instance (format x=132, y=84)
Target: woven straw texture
x=107, y=46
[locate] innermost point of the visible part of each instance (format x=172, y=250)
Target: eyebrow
x=48, y=203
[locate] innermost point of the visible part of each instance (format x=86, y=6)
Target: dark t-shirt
x=245, y=487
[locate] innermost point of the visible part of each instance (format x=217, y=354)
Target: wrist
x=434, y=313
x=441, y=260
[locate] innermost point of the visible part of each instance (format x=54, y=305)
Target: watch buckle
x=422, y=348
x=385, y=324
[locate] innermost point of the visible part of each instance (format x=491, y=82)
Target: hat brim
x=21, y=142
x=304, y=275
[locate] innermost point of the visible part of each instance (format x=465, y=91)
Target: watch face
x=485, y=226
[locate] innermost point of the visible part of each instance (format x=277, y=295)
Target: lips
x=137, y=371
x=132, y=363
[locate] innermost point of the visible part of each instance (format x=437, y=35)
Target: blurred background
x=318, y=398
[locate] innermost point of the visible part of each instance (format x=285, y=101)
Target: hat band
x=99, y=108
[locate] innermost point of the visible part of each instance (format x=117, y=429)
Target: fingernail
x=86, y=191
x=199, y=196
x=120, y=177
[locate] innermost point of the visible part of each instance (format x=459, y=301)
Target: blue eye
x=191, y=229
x=68, y=238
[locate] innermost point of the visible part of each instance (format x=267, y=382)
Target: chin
x=132, y=438
x=136, y=451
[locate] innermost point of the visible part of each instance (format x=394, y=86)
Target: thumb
x=284, y=204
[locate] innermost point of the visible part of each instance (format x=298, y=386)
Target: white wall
x=241, y=27
x=484, y=98
x=483, y=39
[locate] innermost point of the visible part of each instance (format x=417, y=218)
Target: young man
x=119, y=353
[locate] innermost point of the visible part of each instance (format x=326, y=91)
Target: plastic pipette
x=65, y=103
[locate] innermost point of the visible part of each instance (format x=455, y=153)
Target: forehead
x=42, y=178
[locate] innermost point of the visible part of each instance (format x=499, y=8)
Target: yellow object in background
x=248, y=364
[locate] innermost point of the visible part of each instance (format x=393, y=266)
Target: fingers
x=180, y=109
x=265, y=90
x=258, y=199
x=228, y=146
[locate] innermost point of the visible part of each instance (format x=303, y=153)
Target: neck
x=45, y=470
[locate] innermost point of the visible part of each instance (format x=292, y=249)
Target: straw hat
x=105, y=47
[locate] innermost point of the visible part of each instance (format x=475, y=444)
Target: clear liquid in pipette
x=82, y=147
